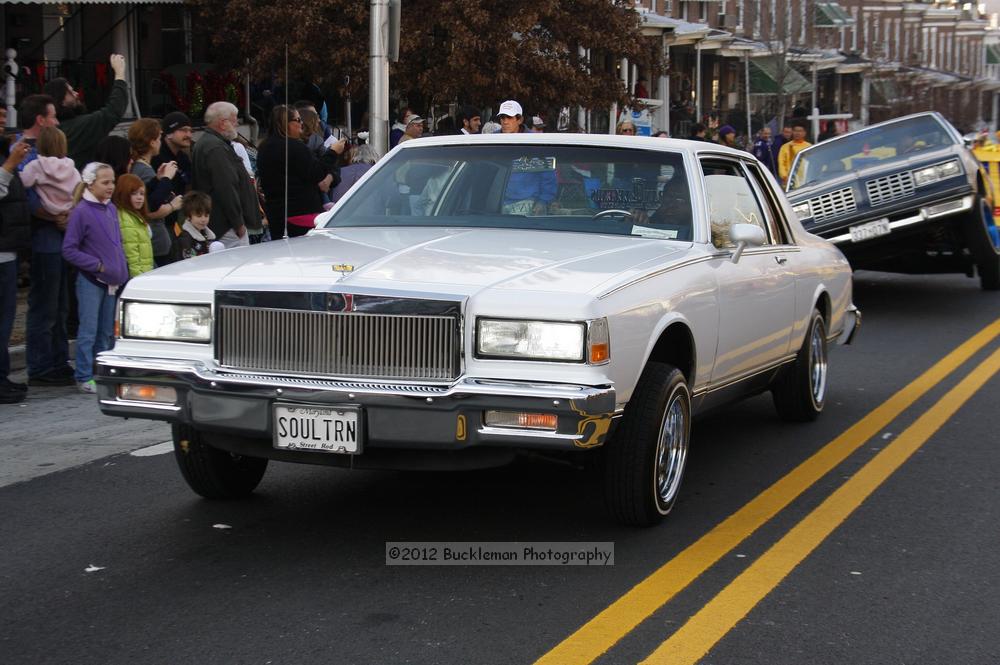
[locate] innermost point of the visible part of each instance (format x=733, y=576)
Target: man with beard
x=85, y=130
x=176, y=147
x=219, y=172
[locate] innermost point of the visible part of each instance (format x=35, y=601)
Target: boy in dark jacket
x=195, y=237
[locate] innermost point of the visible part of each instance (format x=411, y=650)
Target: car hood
x=834, y=182
x=435, y=260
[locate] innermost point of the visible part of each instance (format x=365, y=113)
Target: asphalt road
x=106, y=557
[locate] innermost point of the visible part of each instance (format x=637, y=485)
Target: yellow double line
x=701, y=632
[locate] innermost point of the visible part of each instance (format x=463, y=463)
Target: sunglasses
x=628, y=130
x=299, y=120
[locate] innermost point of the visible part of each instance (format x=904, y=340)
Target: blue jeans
x=97, y=325
x=8, y=307
x=48, y=303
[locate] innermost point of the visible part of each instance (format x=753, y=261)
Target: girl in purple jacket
x=93, y=244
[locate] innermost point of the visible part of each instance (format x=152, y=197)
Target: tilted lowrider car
x=473, y=297
x=901, y=196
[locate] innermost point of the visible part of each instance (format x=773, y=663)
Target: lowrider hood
x=441, y=260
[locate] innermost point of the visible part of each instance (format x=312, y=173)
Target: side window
x=774, y=216
x=730, y=201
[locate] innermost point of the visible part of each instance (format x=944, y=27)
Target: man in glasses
x=219, y=172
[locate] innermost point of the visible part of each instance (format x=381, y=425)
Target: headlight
x=183, y=323
x=536, y=340
x=930, y=174
x=803, y=210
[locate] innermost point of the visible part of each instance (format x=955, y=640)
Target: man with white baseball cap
x=532, y=185
x=510, y=117
x=414, y=127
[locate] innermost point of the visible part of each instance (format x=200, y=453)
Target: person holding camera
x=292, y=188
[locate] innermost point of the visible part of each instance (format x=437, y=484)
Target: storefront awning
x=773, y=75
x=993, y=54
x=832, y=15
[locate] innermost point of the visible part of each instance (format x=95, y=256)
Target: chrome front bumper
x=852, y=323
x=923, y=214
x=400, y=416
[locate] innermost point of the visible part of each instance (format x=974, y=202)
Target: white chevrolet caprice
x=475, y=297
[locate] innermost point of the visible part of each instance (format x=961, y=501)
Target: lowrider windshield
x=561, y=188
x=865, y=148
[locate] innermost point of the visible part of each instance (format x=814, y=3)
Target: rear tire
x=645, y=460
x=799, y=392
x=985, y=253
x=214, y=473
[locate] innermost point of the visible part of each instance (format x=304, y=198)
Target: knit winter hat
x=174, y=121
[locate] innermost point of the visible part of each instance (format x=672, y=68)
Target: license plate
x=320, y=429
x=879, y=227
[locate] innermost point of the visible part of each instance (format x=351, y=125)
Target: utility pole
x=378, y=77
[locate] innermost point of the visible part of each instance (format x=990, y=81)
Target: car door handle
x=780, y=260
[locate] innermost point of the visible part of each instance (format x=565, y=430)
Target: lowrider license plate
x=879, y=227
x=317, y=428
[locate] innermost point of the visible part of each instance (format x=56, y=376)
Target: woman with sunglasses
x=292, y=194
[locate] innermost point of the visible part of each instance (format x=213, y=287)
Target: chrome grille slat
x=342, y=344
x=833, y=204
x=889, y=188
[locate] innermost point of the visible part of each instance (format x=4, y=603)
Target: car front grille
x=889, y=188
x=339, y=344
x=833, y=204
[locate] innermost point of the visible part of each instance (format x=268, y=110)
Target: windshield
x=557, y=188
x=867, y=147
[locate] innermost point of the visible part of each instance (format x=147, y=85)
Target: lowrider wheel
x=214, y=473
x=645, y=460
x=984, y=251
x=799, y=392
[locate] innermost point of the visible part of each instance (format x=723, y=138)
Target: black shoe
x=62, y=370
x=11, y=396
x=10, y=386
x=51, y=378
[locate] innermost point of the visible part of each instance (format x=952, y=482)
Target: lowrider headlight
x=803, y=210
x=182, y=323
x=535, y=340
x=931, y=174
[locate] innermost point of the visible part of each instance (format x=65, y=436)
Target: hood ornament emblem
x=343, y=268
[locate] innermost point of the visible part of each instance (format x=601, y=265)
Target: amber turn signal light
x=521, y=420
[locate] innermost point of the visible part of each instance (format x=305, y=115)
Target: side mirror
x=745, y=235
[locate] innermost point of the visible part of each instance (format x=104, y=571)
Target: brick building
x=872, y=59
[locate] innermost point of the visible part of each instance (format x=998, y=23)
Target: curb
x=18, y=360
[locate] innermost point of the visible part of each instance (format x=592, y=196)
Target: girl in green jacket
x=133, y=216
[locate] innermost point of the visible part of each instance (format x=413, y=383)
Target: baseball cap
x=174, y=121
x=511, y=108
x=412, y=118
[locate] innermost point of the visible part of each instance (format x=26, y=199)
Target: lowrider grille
x=889, y=188
x=833, y=204
x=342, y=344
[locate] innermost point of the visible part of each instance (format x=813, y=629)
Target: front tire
x=984, y=251
x=799, y=392
x=646, y=458
x=214, y=473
